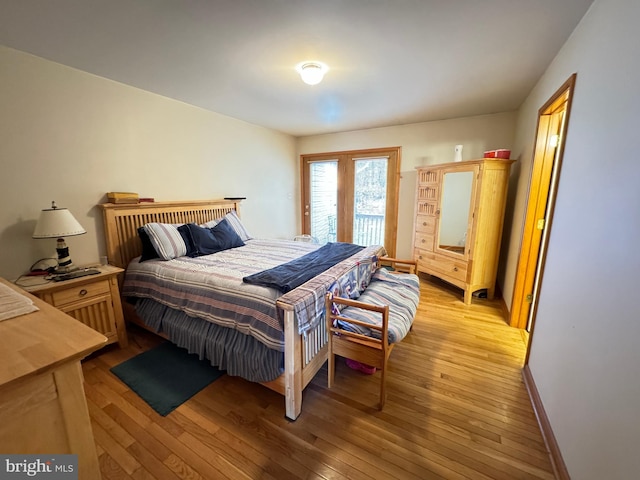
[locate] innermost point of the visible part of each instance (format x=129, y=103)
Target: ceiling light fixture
x=312, y=73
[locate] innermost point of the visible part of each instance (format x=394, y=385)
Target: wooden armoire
x=458, y=222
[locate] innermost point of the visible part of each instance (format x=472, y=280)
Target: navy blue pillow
x=226, y=235
x=185, y=233
x=148, y=251
x=211, y=240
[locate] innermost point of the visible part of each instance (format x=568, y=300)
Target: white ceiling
x=391, y=61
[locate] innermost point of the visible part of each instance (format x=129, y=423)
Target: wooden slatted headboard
x=121, y=222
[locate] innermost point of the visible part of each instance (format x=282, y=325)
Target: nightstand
x=93, y=300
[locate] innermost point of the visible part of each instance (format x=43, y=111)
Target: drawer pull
x=82, y=292
x=423, y=240
x=420, y=257
x=455, y=269
x=424, y=224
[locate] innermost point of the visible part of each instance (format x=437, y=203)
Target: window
x=352, y=196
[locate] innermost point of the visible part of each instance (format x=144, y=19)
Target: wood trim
x=367, y=152
x=559, y=468
x=569, y=85
x=536, y=208
x=542, y=184
x=503, y=305
x=345, y=192
x=561, y=95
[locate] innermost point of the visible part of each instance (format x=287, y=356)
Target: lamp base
x=65, y=264
x=67, y=269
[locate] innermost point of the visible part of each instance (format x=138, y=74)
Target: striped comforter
x=211, y=287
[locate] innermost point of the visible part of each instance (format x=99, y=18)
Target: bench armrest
x=401, y=265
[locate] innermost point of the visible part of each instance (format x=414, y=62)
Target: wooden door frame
x=345, y=190
x=542, y=195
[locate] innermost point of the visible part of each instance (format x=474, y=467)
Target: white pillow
x=166, y=239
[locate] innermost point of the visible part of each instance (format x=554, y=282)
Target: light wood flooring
x=456, y=408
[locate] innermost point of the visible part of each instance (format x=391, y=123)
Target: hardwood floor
x=456, y=408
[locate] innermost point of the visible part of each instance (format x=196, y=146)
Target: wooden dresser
x=93, y=300
x=458, y=223
x=43, y=409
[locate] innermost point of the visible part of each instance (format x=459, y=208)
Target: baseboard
x=559, y=468
x=503, y=305
x=505, y=310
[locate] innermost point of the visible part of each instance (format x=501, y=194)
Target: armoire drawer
x=424, y=241
x=428, y=176
x=426, y=224
x=440, y=264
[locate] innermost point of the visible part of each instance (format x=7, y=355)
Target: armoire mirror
x=454, y=211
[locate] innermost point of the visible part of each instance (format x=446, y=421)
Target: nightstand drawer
x=80, y=292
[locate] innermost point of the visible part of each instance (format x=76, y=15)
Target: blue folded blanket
x=290, y=275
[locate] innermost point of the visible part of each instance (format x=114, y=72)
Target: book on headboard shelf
x=122, y=197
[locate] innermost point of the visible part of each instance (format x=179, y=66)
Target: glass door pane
x=323, y=208
x=370, y=201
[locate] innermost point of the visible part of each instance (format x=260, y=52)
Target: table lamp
x=57, y=223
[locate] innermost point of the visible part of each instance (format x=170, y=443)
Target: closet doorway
x=352, y=196
x=553, y=118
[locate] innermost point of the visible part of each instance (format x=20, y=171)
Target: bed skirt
x=239, y=354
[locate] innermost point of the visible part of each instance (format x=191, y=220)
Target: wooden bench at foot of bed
x=390, y=302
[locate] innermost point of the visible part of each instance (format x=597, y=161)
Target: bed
x=304, y=337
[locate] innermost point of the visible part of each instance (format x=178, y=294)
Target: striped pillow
x=166, y=240
x=234, y=220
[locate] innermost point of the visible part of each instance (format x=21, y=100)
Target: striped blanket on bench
x=401, y=291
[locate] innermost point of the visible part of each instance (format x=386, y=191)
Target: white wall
x=422, y=144
x=584, y=356
x=69, y=136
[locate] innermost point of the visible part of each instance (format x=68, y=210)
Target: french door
x=352, y=196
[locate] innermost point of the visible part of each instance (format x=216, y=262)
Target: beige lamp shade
x=57, y=222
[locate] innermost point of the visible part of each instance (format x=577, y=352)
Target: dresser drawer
x=80, y=292
x=426, y=224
